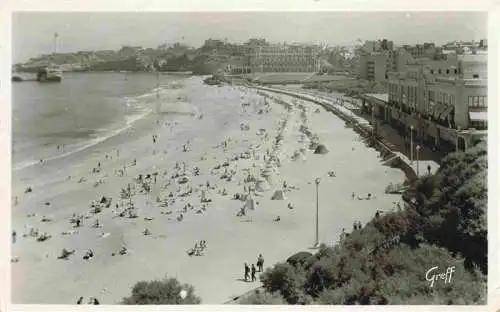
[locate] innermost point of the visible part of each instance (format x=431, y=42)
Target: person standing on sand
x=260, y=263
x=247, y=271
x=79, y=300
x=253, y=273
x=429, y=169
x=14, y=235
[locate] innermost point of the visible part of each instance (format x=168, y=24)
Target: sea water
x=82, y=110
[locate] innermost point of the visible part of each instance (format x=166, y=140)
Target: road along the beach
x=233, y=136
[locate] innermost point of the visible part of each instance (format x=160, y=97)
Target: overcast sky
x=32, y=33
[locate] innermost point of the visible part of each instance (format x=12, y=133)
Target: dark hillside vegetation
x=443, y=224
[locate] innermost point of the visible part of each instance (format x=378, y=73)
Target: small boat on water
x=49, y=74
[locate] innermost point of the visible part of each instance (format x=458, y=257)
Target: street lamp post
x=373, y=121
x=317, y=181
x=411, y=144
x=418, y=150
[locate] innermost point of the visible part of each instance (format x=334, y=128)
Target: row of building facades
x=441, y=93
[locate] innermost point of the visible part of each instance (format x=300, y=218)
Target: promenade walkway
x=420, y=167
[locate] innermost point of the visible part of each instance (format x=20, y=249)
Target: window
x=475, y=76
x=456, y=71
x=432, y=71
x=447, y=71
x=478, y=101
x=439, y=71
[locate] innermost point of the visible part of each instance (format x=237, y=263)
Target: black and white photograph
x=248, y=158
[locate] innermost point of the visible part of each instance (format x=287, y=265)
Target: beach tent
x=278, y=195
x=261, y=185
x=269, y=175
x=321, y=149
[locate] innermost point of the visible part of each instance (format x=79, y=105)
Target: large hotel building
x=280, y=58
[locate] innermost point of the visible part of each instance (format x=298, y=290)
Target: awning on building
x=442, y=109
x=437, y=110
x=446, y=111
x=478, y=116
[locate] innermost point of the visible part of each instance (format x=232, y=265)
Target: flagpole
x=56, y=35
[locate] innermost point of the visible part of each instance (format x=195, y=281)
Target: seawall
x=359, y=125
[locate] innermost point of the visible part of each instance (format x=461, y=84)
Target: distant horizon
x=93, y=31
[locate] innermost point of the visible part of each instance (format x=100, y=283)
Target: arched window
x=439, y=71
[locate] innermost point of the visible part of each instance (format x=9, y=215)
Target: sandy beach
x=242, y=144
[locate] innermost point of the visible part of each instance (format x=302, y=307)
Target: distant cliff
x=130, y=64
x=176, y=59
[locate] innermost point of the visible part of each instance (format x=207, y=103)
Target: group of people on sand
x=92, y=300
x=251, y=272
x=356, y=225
x=368, y=196
x=198, y=249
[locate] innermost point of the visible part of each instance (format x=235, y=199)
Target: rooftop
x=379, y=96
x=473, y=58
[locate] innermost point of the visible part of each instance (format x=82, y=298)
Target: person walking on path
x=429, y=169
x=247, y=271
x=253, y=273
x=260, y=263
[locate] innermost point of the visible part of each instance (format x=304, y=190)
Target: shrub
x=285, y=278
x=299, y=259
x=166, y=291
x=263, y=297
x=451, y=206
x=444, y=224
